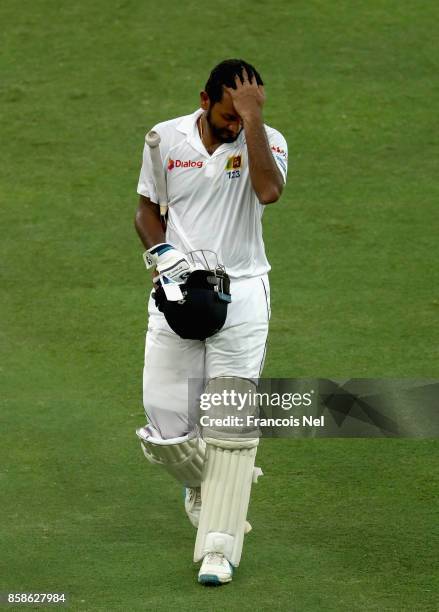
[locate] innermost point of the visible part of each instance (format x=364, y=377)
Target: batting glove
x=172, y=264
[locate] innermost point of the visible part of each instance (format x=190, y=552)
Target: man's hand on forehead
x=247, y=97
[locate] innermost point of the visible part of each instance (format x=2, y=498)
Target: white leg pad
x=225, y=492
x=182, y=457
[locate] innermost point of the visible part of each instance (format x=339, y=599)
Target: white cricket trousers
x=238, y=349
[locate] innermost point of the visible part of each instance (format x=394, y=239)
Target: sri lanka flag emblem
x=233, y=162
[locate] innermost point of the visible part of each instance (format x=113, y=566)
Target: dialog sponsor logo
x=278, y=150
x=180, y=163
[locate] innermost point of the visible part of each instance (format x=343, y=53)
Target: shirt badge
x=234, y=162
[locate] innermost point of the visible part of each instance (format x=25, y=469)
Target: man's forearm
x=264, y=173
x=148, y=223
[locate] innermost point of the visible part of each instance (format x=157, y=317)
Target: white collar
x=188, y=125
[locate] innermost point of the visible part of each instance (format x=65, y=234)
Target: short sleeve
x=146, y=185
x=279, y=148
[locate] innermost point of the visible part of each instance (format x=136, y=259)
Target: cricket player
x=223, y=166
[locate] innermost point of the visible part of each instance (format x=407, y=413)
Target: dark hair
x=224, y=74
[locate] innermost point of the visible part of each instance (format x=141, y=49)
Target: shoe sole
x=212, y=579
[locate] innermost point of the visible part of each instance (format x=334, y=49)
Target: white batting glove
x=170, y=263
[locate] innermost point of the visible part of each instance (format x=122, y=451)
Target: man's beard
x=223, y=135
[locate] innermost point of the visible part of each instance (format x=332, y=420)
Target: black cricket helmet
x=203, y=310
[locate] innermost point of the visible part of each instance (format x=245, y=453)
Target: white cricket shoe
x=192, y=504
x=215, y=570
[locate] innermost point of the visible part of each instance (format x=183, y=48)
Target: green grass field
x=339, y=525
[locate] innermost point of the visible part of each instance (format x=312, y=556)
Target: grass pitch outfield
x=338, y=524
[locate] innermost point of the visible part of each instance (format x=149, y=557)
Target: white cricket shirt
x=212, y=204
